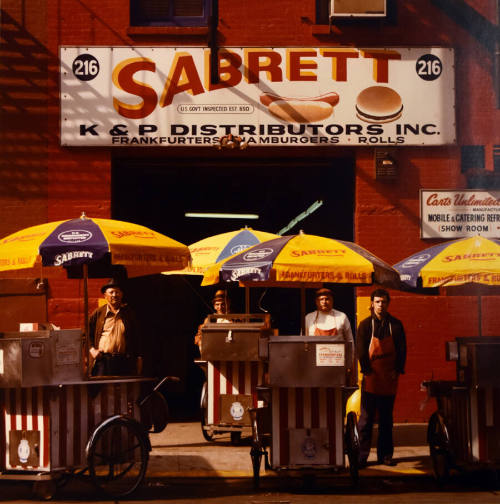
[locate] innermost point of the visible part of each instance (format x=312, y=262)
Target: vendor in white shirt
x=325, y=321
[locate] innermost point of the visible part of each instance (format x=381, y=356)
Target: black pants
x=108, y=364
x=371, y=404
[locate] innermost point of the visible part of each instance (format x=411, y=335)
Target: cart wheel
x=235, y=437
x=256, y=454
x=352, y=446
x=44, y=490
x=118, y=457
x=204, y=412
x=439, y=447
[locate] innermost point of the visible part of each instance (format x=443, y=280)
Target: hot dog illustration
x=300, y=110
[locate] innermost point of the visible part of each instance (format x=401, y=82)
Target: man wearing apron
x=381, y=348
x=326, y=321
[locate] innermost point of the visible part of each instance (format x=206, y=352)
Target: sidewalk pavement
x=181, y=451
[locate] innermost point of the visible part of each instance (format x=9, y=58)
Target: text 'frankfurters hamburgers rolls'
x=300, y=110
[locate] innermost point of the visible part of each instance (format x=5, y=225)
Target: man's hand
x=94, y=352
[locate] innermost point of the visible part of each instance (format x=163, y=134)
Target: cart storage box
x=307, y=361
x=477, y=360
x=233, y=337
x=484, y=359
x=40, y=358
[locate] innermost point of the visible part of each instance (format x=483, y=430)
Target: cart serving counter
x=55, y=422
x=464, y=432
x=301, y=419
x=230, y=358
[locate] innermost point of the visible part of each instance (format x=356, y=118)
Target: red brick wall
x=23, y=117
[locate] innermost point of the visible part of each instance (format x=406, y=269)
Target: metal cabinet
x=38, y=358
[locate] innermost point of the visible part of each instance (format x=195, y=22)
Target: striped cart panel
x=456, y=409
x=26, y=410
x=60, y=420
x=307, y=427
x=473, y=419
x=231, y=377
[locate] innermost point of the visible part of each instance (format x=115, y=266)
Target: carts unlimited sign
x=160, y=96
x=457, y=214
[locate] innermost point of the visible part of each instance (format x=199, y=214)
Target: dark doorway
x=158, y=193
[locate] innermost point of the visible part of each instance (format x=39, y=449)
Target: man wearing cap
x=221, y=304
x=113, y=335
x=326, y=321
x=381, y=346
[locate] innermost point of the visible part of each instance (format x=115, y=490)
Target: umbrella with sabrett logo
x=83, y=243
x=303, y=260
x=471, y=262
x=209, y=250
x=76, y=242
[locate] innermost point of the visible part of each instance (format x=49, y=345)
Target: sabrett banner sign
x=288, y=96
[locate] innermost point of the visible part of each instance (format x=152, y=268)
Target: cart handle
x=159, y=385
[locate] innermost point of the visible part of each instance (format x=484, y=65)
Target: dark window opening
x=496, y=159
x=472, y=158
x=474, y=166
x=169, y=12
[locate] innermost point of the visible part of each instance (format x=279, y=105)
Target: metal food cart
x=55, y=422
x=301, y=420
x=230, y=359
x=464, y=432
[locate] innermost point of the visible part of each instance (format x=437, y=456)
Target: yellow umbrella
x=215, y=248
x=459, y=262
x=467, y=261
x=83, y=242
x=302, y=259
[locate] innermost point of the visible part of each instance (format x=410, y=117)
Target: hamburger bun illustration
x=300, y=110
x=379, y=104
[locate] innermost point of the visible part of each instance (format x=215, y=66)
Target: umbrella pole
x=302, y=310
x=247, y=299
x=85, y=315
x=480, y=316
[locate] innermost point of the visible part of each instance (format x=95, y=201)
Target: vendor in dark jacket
x=114, y=338
x=381, y=348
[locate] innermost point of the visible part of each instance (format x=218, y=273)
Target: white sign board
x=330, y=354
x=164, y=96
x=456, y=214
